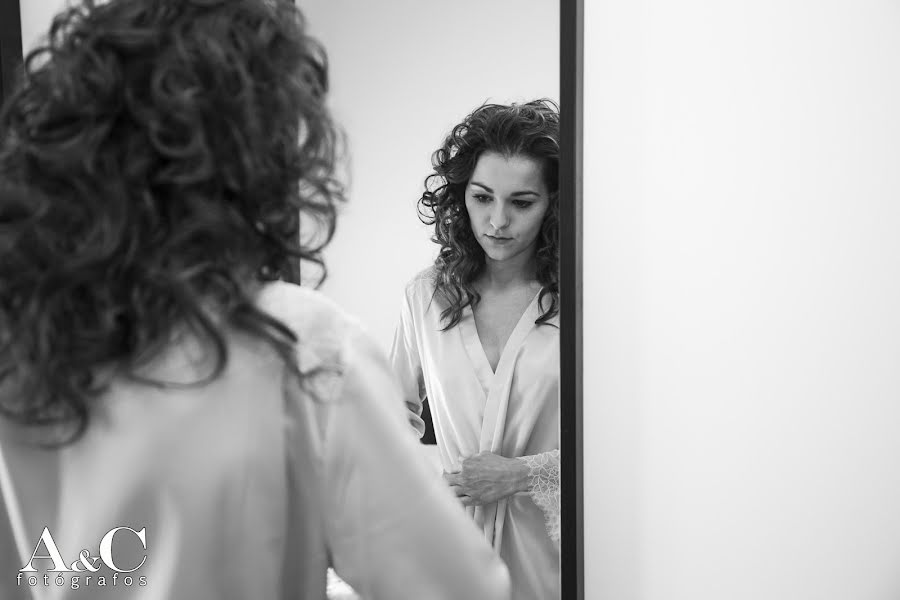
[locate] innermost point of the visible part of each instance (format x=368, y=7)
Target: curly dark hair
x=158, y=159
x=529, y=129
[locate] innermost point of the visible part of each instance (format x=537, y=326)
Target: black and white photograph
x=484, y=299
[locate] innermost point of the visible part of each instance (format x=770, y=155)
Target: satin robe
x=250, y=486
x=512, y=412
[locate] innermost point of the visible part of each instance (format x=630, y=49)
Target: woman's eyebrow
x=517, y=194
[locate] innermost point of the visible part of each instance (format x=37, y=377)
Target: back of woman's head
x=161, y=153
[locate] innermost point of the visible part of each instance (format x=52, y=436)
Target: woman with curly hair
x=165, y=385
x=479, y=332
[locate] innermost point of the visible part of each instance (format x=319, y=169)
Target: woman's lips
x=498, y=240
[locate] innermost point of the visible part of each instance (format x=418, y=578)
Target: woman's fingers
x=458, y=491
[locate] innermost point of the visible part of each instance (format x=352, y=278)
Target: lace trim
x=543, y=471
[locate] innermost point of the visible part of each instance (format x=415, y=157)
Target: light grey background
x=742, y=300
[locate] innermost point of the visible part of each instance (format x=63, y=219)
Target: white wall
x=742, y=300
x=36, y=16
x=403, y=73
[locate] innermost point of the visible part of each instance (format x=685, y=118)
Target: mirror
x=403, y=74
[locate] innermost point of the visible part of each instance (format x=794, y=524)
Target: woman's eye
x=482, y=198
x=522, y=203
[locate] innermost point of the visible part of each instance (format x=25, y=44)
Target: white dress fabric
x=251, y=486
x=513, y=412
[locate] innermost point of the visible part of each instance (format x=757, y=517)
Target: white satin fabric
x=513, y=412
x=252, y=485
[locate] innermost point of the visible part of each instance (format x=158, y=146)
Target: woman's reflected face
x=507, y=199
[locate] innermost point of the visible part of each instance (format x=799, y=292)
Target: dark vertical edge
x=10, y=45
x=570, y=230
x=10, y=59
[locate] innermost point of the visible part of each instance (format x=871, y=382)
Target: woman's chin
x=498, y=256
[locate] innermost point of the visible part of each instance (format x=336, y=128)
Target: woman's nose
x=499, y=218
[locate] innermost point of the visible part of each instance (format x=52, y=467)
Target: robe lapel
x=494, y=422
x=475, y=350
x=492, y=516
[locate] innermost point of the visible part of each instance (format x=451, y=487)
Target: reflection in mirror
x=448, y=248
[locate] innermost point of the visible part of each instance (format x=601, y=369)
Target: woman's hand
x=488, y=477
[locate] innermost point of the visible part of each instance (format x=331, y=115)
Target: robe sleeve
x=393, y=530
x=407, y=366
x=543, y=485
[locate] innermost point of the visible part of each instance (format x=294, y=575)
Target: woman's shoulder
x=321, y=326
x=299, y=304
x=332, y=346
x=422, y=285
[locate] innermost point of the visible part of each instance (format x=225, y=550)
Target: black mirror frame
x=10, y=45
x=571, y=56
